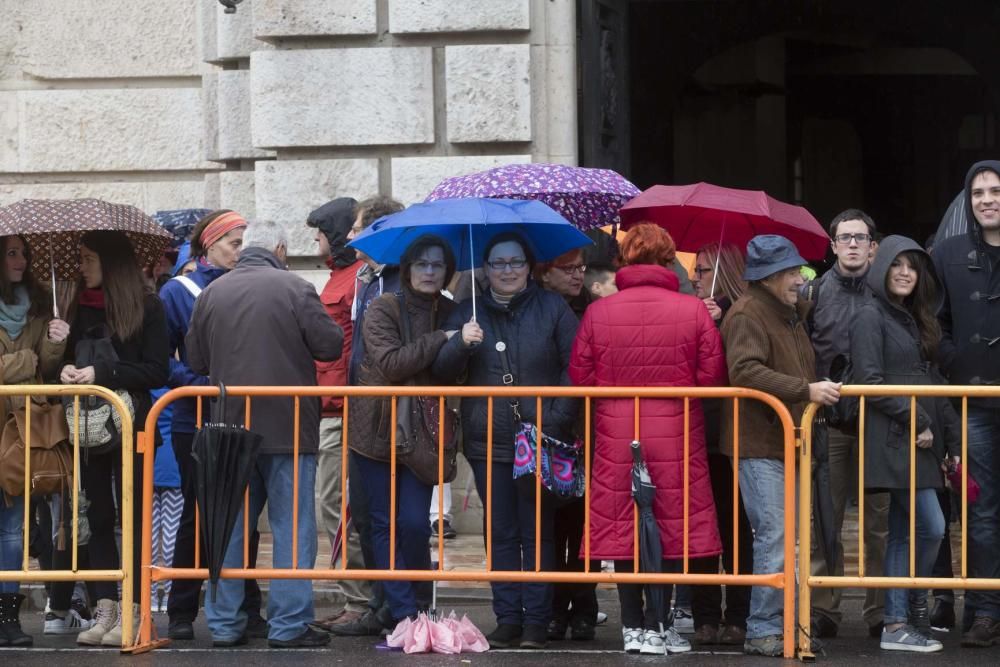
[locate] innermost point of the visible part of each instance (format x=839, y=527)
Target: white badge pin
x=501, y=346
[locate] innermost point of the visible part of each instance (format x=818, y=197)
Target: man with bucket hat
x=768, y=348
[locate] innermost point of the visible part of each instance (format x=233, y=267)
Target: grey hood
x=890, y=248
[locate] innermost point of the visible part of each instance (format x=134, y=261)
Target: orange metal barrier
x=125, y=574
x=806, y=583
x=784, y=580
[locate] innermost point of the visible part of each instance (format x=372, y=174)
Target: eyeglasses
x=501, y=264
x=423, y=267
x=860, y=239
x=570, y=269
x=702, y=270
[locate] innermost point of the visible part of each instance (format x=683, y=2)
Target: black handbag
x=843, y=415
x=418, y=421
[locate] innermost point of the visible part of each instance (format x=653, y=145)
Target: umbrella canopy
x=53, y=228
x=468, y=225
x=224, y=456
x=180, y=222
x=588, y=198
x=650, y=548
x=954, y=221
x=699, y=214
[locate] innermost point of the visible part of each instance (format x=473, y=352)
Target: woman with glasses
x=900, y=346
x=719, y=283
x=522, y=336
x=574, y=606
x=402, y=334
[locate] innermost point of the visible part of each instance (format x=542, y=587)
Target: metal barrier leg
x=805, y=653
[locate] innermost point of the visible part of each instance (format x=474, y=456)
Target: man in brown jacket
x=767, y=348
x=261, y=325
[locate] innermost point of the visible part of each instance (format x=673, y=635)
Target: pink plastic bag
x=469, y=636
x=448, y=636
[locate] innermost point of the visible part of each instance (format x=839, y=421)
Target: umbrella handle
x=221, y=405
x=636, y=452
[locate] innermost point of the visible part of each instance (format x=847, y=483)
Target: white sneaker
x=633, y=639
x=674, y=642
x=69, y=623
x=105, y=618
x=683, y=621
x=652, y=643
x=114, y=636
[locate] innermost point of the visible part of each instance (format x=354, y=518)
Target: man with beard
x=333, y=222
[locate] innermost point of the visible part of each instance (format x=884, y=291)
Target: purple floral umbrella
x=588, y=198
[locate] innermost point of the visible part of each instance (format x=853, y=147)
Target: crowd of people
x=607, y=315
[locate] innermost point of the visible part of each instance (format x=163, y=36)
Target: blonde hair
x=729, y=276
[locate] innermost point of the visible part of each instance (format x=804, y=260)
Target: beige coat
x=31, y=357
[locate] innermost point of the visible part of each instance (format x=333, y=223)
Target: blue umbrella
x=468, y=225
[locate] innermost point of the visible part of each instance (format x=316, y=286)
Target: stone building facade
x=281, y=106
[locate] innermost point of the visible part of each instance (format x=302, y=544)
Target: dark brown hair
x=197, y=249
x=124, y=288
x=922, y=302
x=373, y=208
x=417, y=248
x=38, y=297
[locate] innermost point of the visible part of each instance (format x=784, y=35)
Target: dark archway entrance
x=830, y=103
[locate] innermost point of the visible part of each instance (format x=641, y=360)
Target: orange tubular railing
x=807, y=583
x=784, y=579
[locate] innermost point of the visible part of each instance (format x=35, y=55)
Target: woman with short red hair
x=648, y=335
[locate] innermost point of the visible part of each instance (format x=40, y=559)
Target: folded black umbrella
x=224, y=455
x=650, y=548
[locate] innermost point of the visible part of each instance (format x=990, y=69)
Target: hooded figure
x=889, y=352
x=969, y=270
x=335, y=219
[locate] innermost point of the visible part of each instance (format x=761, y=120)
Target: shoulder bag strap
x=189, y=284
x=508, y=378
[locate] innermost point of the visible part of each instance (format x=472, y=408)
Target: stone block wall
x=281, y=106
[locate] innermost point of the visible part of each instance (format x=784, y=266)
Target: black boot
x=10, y=625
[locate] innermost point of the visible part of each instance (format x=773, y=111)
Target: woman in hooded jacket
x=31, y=350
x=899, y=345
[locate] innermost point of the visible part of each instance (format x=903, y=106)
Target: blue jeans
x=929, y=531
x=413, y=530
x=513, y=531
x=762, y=483
x=11, y=540
x=984, y=519
x=290, y=604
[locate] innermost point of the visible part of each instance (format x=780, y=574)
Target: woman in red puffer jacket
x=649, y=335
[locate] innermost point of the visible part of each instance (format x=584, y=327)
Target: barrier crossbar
x=808, y=582
x=784, y=579
x=124, y=574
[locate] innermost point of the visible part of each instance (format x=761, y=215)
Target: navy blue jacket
x=538, y=327
x=384, y=283
x=178, y=304
x=970, y=315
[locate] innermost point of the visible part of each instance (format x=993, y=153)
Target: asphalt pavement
x=852, y=647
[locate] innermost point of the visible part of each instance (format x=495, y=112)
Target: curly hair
x=647, y=243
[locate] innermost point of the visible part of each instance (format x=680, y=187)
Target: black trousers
x=706, y=601
x=572, y=601
x=184, y=593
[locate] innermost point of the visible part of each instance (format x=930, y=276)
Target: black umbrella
x=224, y=455
x=953, y=222
x=650, y=549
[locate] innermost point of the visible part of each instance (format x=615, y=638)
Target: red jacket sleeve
x=581, y=362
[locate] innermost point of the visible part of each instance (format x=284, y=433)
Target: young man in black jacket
x=969, y=267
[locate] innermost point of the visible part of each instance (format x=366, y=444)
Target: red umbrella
x=701, y=213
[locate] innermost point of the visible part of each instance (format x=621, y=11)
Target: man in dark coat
x=333, y=222
x=261, y=325
x=836, y=298
x=969, y=268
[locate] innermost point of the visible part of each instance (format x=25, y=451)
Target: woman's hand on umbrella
x=58, y=330
x=472, y=333
x=824, y=392
x=713, y=308
x=925, y=439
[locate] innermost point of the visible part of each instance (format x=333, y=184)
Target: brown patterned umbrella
x=53, y=228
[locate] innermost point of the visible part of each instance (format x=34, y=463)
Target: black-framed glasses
x=570, y=269
x=501, y=264
x=860, y=239
x=702, y=270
